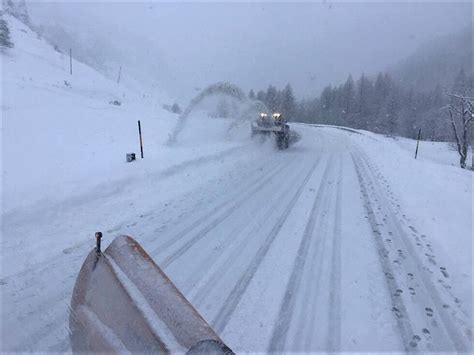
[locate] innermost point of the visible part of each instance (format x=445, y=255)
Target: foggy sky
x=184, y=46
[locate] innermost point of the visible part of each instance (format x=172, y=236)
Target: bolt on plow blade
x=123, y=302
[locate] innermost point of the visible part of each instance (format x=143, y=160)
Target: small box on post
x=130, y=157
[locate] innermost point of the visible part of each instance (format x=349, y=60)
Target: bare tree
x=461, y=115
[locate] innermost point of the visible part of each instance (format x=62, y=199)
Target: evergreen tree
x=271, y=98
x=251, y=94
x=278, y=101
x=410, y=114
x=348, y=100
x=326, y=105
x=17, y=9
x=288, y=103
x=392, y=110
x=381, y=89
x=364, y=92
x=462, y=84
x=5, y=41
x=261, y=96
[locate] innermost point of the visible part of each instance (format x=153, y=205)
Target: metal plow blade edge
x=124, y=303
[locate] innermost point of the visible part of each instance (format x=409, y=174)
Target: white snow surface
x=344, y=242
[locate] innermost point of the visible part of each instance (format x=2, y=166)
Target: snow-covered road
x=302, y=250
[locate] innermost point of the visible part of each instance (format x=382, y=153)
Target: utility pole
x=70, y=61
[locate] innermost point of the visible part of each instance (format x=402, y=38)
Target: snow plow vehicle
x=275, y=125
x=124, y=303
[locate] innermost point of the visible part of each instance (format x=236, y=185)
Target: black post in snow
x=417, y=142
x=98, y=237
x=141, y=140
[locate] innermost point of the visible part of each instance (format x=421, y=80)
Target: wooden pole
x=120, y=72
x=141, y=140
x=70, y=61
x=417, y=142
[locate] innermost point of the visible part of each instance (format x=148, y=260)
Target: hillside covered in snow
x=67, y=135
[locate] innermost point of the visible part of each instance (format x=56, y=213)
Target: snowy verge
x=434, y=193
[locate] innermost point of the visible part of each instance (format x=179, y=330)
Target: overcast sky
x=310, y=45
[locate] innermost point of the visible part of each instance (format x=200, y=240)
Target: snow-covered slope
x=61, y=134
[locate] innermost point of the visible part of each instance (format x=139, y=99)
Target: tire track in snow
x=334, y=309
x=312, y=303
x=57, y=322
x=279, y=334
x=312, y=279
x=254, y=185
x=213, y=224
x=418, y=311
x=30, y=275
x=231, y=302
x=60, y=299
x=214, y=267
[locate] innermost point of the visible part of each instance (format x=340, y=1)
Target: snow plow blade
x=123, y=302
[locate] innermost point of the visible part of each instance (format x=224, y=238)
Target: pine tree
x=462, y=84
x=364, y=92
x=17, y=9
x=381, y=88
x=251, y=94
x=392, y=110
x=326, y=105
x=271, y=98
x=278, y=101
x=348, y=100
x=288, y=103
x=5, y=41
x=261, y=96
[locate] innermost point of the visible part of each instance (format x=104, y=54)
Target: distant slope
x=437, y=62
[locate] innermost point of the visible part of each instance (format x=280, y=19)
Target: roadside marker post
x=141, y=140
x=417, y=142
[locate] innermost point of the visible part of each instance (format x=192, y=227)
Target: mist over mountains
x=436, y=62
x=184, y=47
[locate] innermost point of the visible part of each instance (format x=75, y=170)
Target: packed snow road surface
x=302, y=250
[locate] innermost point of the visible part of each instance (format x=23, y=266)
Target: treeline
x=380, y=105
x=277, y=100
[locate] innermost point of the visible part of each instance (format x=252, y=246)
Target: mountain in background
x=436, y=62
